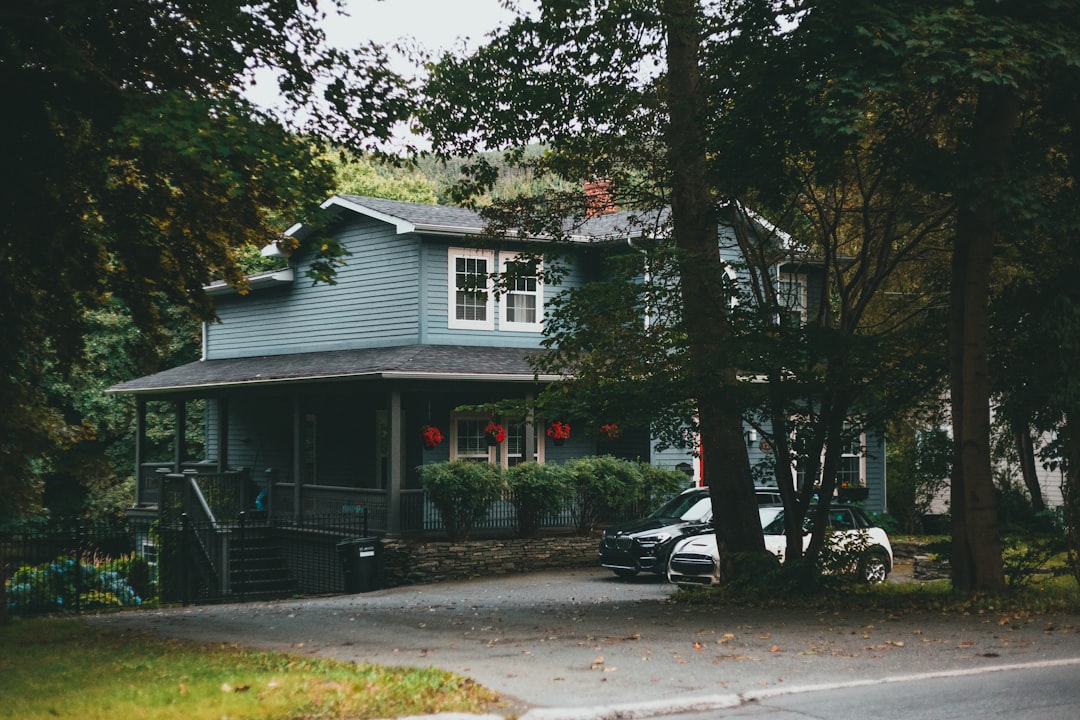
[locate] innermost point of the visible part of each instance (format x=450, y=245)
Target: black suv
x=643, y=545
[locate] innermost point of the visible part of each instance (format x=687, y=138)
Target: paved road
x=572, y=643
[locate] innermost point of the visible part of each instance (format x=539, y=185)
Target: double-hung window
x=791, y=296
x=471, y=296
x=850, y=472
x=522, y=301
x=468, y=441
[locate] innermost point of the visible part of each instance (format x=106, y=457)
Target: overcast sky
x=434, y=24
x=437, y=24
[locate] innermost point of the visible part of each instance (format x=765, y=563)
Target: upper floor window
x=791, y=297
x=471, y=298
x=851, y=471
x=523, y=299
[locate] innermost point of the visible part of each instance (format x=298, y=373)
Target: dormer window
x=471, y=294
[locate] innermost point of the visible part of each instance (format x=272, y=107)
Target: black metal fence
x=253, y=557
x=73, y=569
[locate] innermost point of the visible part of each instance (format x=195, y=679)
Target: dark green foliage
x=142, y=172
x=606, y=486
x=659, y=484
x=538, y=492
x=919, y=462
x=462, y=491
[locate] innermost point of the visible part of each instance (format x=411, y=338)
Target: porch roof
x=408, y=362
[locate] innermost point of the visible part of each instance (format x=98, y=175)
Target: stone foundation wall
x=405, y=562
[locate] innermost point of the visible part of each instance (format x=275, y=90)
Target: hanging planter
x=495, y=433
x=430, y=436
x=609, y=431
x=559, y=432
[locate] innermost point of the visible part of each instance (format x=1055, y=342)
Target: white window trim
x=861, y=454
x=452, y=320
x=538, y=439
x=454, y=418
x=798, y=279
x=505, y=324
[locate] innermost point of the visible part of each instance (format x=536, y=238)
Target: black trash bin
x=360, y=563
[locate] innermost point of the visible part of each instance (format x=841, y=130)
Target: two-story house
x=327, y=394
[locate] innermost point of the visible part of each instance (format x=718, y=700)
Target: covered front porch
x=272, y=436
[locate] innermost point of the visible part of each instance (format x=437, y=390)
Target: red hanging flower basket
x=430, y=436
x=609, y=431
x=495, y=433
x=559, y=432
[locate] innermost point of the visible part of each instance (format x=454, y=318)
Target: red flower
x=558, y=430
x=430, y=436
x=495, y=431
x=610, y=431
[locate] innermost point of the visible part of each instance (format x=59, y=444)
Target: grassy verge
x=65, y=668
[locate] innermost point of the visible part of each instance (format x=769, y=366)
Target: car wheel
x=874, y=568
x=625, y=572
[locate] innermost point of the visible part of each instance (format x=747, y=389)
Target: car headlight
x=653, y=540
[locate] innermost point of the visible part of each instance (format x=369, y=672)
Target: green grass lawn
x=66, y=668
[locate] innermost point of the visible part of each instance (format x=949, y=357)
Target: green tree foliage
x=617, y=90
x=139, y=172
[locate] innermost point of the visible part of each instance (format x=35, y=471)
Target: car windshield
x=839, y=519
x=776, y=527
x=687, y=506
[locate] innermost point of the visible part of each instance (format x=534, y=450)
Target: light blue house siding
x=375, y=302
x=436, y=300
x=392, y=290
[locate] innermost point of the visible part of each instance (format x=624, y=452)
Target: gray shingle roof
x=435, y=362
x=421, y=213
x=612, y=225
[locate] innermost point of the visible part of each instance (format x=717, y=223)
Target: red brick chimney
x=599, y=198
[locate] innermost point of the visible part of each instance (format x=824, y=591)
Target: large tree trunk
x=727, y=465
x=976, y=544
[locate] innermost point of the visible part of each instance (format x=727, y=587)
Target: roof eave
x=374, y=376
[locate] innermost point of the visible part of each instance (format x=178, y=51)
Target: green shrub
x=604, y=486
x=659, y=484
x=462, y=491
x=538, y=492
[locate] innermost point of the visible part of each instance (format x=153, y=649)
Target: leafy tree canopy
x=138, y=170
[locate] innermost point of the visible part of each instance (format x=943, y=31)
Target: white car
x=694, y=560
x=697, y=557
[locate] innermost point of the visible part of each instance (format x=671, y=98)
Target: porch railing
x=418, y=513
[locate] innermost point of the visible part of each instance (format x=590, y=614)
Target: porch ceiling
x=418, y=362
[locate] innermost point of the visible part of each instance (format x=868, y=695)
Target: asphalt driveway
x=586, y=639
